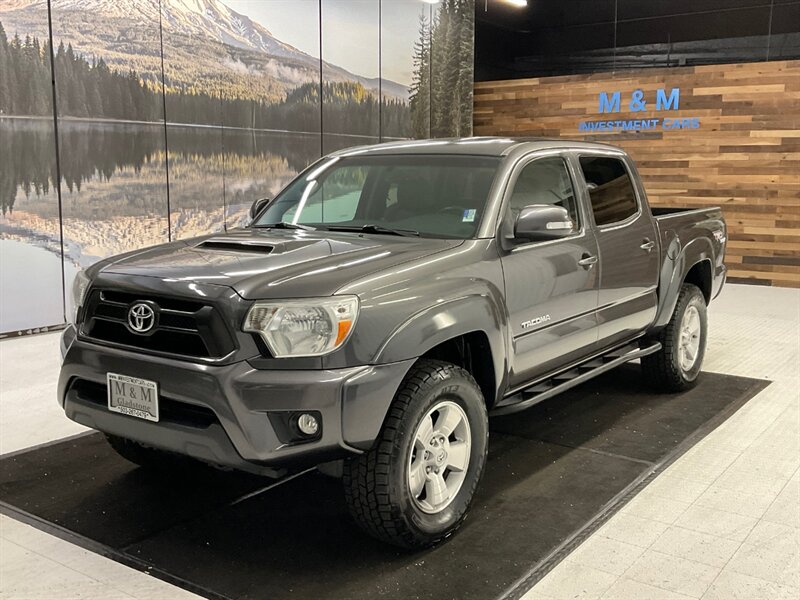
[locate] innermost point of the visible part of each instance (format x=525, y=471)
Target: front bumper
x=238, y=401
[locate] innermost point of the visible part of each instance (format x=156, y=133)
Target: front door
x=629, y=252
x=551, y=287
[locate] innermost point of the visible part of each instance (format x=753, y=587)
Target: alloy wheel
x=439, y=457
x=689, y=340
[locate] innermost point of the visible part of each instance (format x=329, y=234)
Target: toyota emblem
x=141, y=318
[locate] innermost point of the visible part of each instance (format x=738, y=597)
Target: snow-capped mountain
x=196, y=20
x=207, y=18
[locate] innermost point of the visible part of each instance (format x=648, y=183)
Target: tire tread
x=366, y=477
x=660, y=369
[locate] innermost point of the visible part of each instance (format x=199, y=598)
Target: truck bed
x=682, y=219
x=680, y=227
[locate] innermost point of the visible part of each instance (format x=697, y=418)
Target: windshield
x=429, y=195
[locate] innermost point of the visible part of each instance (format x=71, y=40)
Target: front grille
x=170, y=411
x=183, y=327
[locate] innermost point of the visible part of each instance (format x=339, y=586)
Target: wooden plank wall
x=745, y=156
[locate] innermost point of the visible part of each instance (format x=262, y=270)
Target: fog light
x=307, y=424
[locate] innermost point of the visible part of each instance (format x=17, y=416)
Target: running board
x=555, y=384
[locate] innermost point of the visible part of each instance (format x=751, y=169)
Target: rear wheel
x=413, y=488
x=677, y=365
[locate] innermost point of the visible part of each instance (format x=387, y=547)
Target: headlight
x=79, y=287
x=308, y=327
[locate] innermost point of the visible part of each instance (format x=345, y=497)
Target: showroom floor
x=722, y=522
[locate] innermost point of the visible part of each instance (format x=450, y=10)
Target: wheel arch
x=467, y=331
x=693, y=265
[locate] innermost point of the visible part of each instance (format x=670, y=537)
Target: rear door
x=550, y=287
x=628, y=245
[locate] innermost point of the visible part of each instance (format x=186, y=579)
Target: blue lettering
x=607, y=104
x=665, y=103
x=637, y=103
x=639, y=124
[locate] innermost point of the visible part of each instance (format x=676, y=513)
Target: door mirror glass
x=540, y=222
x=257, y=207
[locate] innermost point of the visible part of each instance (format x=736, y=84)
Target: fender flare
x=445, y=321
x=695, y=252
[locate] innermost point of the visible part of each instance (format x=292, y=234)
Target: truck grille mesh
x=183, y=327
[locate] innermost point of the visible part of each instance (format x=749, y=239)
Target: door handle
x=647, y=245
x=587, y=261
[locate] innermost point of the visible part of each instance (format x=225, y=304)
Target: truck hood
x=275, y=263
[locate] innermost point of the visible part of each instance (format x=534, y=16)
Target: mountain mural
x=174, y=115
x=207, y=45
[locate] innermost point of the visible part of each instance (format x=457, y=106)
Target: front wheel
x=413, y=488
x=677, y=365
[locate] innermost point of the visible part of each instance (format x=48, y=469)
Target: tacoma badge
x=536, y=321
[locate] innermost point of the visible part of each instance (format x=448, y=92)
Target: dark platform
x=555, y=472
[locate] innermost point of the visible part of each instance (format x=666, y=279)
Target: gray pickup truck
x=381, y=307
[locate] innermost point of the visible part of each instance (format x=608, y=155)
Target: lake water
x=30, y=286
x=117, y=195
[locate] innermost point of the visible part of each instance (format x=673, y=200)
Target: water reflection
x=39, y=302
x=30, y=265
x=29, y=169
x=114, y=180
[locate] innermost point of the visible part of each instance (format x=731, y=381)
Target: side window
x=545, y=181
x=334, y=200
x=610, y=189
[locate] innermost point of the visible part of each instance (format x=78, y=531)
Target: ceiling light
x=519, y=3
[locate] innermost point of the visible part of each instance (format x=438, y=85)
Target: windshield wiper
x=285, y=225
x=374, y=228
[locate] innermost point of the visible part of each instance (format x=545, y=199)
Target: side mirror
x=257, y=207
x=541, y=222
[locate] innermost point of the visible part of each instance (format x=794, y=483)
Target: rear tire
x=414, y=486
x=676, y=367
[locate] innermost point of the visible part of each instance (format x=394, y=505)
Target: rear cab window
x=611, y=191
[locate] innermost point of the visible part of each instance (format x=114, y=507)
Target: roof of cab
x=475, y=146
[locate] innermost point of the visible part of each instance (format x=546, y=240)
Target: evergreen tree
x=7, y=74
x=441, y=89
x=466, y=68
x=441, y=93
x=90, y=88
x=420, y=91
x=5, y=68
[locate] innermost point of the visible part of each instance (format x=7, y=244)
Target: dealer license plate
x=133, y=396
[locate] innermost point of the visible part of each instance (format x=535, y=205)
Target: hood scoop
x=237, y=245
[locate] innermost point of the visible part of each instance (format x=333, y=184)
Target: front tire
x=676, y=367
x=414, y=486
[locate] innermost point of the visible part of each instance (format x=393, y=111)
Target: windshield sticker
x=469, y=215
